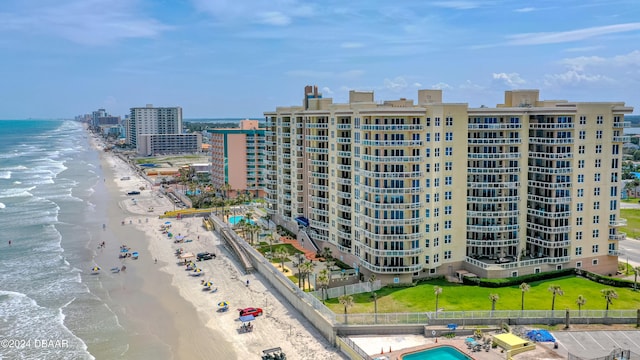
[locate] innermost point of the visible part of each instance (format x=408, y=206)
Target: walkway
x=309, y=254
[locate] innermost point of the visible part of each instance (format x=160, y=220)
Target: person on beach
x=155, y=261
x=247, y=282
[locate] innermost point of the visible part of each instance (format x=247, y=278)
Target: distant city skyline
x=237, y=59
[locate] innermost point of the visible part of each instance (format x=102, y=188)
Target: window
x=596, y=219
x=436, y=258
x=436, y=136
x=596, y=233
x=436, y=242
x=536, y=270
x=427, y=183
x=596, y=191
x=579, y=221
x=580, y=149
x=426, y=259
x=578, y=251
x=436, y=152
x=594, y=249
x=436, y=121
x=596, y=177
x=598, y=149
x=578, y=264
x=426, y=243
x=578, y=235
x=599, y=119
x=594, y=262
x=599, y=134
x=448, y=136
x=448, y=121
x=447, y=254
x=581, y=178
x=598, y=163
x=447, y=239
x=448, y=151
x=583, y=120
x=579, y=206
x=427, y=213
x=558, y=267
x=580, y=164
x=448, y=165
x=447, y=210
x=514, y=274
x=582, y=134
x=596, y=205
x=580, y=193
x=448, y=180
x=447, y=224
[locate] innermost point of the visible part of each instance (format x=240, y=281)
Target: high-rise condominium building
x=237, y=158
x=406, y=190
x=151, y=120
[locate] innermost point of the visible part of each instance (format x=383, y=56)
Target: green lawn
x=633, y=222
x=456, y=297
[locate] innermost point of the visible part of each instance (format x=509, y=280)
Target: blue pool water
x=236, y=219
x=440, y=353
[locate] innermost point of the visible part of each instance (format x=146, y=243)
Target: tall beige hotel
x=407, y=190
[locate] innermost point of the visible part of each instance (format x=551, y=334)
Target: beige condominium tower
x=406, y=190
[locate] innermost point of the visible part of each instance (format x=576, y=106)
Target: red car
x=251, y=311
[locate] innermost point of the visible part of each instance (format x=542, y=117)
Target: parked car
x=251, y=311
x=205, y=256
x=133, y=193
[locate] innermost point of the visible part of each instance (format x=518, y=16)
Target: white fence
x=358, y=288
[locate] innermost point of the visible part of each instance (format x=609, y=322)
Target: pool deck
x=376, y=346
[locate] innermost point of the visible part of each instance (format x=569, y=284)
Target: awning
x=302, y=221
x=247, y=318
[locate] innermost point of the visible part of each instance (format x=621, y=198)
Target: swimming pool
x=236, y=219
x=440, y=353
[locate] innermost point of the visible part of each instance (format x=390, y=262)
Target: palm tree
x=270, y=239
x=347, y=302
x=323, y=282
x=555, y=290
x=580, y=301
x=437, y=290
x=371, y=280
x=494, y=299
x=635, y=277
x=298, y=265
x=255, y=229
x=609, y=295
x=281, y=254
x=308, y=270
x=226, y=187
x=343, y=277
x=524, y=287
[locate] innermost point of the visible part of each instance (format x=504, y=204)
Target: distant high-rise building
x=406, y=191
x=151, y=120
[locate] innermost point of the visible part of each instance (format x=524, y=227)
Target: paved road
x=593, y=344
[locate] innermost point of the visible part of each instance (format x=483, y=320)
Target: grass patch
x=633, y=222
x=456, y=297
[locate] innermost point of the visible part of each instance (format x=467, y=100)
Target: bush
x=515, y=281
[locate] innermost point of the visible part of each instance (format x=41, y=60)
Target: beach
x=164, y=305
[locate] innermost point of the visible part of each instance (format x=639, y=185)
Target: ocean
x=50, y=304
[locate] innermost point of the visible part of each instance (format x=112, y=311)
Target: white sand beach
x=210, y=333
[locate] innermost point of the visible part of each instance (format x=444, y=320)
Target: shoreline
x=176, y=312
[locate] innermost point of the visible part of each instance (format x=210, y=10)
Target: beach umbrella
x=223, y=304
x=179, y=237
x=167, y=222
x=207, y=284
x=197, y=270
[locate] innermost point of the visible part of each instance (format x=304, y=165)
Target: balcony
x=493, y=126
x=391, y=159
x=550, y=126
x=622, y=139
x=385, y=143
x=551, y=171
x=541, y=155
x=343, y=126
x=395, y=127
x=618, y=236
x=492, y=243
x=391, y=269
x=549, y=229
x=497, y=156
x=492, y=229
x=390, y=237
x=390, y=253
x=619, y=222
x=550, y=141
x=549, y=215
x=621, y=124
x=614, y=252
x=548, y=244
x=496, y=170
x=494, y=141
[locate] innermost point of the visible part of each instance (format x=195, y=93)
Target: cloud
x=512, y=80
x=417, y=84
x=396, y=84
x=457, y=4
x=351, y=45
x=80, y=22
x=574, y=77
x=442, y=86
x=327, y=90
x=569, y=36
x=273, y=12
x=525, y=9
x=468, y=85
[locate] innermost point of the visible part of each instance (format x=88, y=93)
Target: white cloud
x=574, y=77
x=327, y=90
x=511, y=79
x=274, y=18
x=396, y=84
x=417, y=84
x=569, y=36
x=442, y=86
x=525, y=9
x=78, y=21
x=457, y=4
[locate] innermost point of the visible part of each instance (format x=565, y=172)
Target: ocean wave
x=17, y=182
x=2, y=206
x=17, y=192
x=5, y=174
x=17, y=167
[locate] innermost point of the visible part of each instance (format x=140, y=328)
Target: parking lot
x=594, y=344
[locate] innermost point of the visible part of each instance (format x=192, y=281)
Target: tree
x=371, y=280
x=347, y=302
x=555, y=290
x=580, y=301
x=281, y=254
x=308, y=270
x=323, y=282
x=343, y=277
x=226, y=187
x=325, y=253
x=609, y=295
x=437, y=290
x=635, y=277
x=494, y=299
x=524, y=287
x=298, y=265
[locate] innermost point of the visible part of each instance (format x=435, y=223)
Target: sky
x=240, y=58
